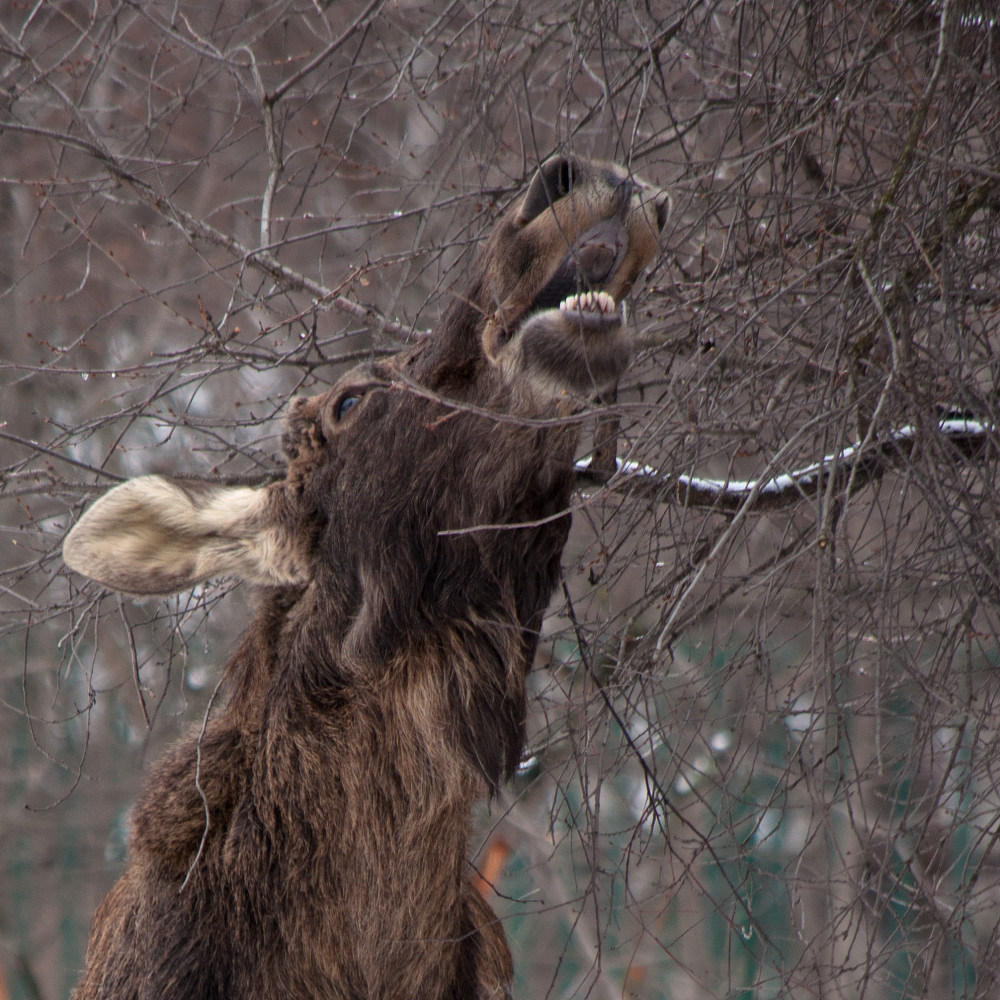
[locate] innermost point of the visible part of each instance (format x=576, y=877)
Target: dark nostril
x=662, y=210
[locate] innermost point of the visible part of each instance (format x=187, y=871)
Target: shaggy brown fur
x=313, y=842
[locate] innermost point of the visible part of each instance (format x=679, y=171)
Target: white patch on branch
x=730, y=494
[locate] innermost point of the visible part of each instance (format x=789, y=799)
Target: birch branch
x=857, y=464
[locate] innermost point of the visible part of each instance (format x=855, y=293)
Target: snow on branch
x=855, y=464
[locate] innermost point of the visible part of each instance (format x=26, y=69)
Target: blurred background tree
x=764, y=742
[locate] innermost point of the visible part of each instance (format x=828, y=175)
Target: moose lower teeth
x=600, y=302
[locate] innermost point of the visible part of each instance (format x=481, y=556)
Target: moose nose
x=655, y=202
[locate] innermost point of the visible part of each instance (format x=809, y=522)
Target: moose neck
x=441, y=599
x=439, y=644
x=365, y=788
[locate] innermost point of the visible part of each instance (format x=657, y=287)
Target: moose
x=312, y=839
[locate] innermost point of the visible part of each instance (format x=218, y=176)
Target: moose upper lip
x=591, y=262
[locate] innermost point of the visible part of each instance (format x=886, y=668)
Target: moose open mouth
x=579, y=285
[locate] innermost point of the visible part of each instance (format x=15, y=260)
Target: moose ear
x=157, y=536
x=555, y=178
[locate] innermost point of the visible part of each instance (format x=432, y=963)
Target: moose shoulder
x=312, y=842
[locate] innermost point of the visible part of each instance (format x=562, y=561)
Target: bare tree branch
x=765, y=711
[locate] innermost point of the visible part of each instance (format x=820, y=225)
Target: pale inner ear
x=155, y=536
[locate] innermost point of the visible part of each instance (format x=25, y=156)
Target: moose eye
x=345, y=404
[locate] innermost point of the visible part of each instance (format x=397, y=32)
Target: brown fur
x=313, y=842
